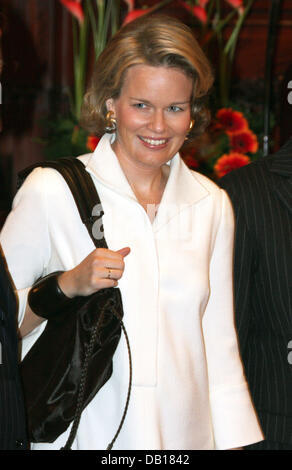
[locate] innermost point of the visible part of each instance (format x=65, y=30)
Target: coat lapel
x=281, y=164
x=283, y=189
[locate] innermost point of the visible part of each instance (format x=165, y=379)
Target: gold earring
x=111, y=122
x=190, y=128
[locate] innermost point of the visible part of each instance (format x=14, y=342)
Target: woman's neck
x=148, y=183
x=148, y=186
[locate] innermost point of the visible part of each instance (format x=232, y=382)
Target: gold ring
x=109, y=274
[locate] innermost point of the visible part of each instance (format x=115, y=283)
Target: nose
x=157, y=123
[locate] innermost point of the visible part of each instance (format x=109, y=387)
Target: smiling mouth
x=154, y=142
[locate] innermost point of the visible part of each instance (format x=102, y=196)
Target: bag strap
x=82, y=188
x=86, y=198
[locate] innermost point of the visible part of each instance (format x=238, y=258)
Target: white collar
x=183, y=186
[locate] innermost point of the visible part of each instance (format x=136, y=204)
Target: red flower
x=231, y=121
x=92, y=142
x=244, y=142
x=132, y=15
x=75, y=8
x=200, y=13
x=229, y=162
x=198, y=10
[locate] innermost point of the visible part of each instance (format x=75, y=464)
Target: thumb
x=124, y=251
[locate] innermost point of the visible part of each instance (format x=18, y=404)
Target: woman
x=169, y=232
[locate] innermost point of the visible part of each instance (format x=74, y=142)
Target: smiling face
x=153, y=114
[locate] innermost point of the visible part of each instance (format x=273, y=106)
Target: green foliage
x=64, y=138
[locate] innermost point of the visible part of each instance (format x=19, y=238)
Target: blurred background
x=49, y=48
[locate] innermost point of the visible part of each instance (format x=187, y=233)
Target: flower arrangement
x=232, y=139
x=228, y=143
x=214, y=17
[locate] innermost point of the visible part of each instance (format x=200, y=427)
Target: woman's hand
x=100, y=269
x=91, y=275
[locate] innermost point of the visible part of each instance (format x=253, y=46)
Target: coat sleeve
x=234, y=420
x=245, y=263
x=25, y=238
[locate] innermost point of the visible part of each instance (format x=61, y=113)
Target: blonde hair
x=150, y=40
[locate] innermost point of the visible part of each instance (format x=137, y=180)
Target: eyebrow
x=148, y=102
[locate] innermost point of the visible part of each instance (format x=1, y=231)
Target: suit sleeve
x=245, y=262
x=234, y=420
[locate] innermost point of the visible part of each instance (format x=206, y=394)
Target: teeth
x=154, y=142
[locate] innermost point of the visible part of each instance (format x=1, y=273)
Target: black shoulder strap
x=81, y=186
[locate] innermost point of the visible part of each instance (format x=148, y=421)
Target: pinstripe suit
x=261, y=194
x=12, y=422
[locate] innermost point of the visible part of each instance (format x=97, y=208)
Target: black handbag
x=72, y=358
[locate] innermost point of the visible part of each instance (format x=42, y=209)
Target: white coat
x=189, y=391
